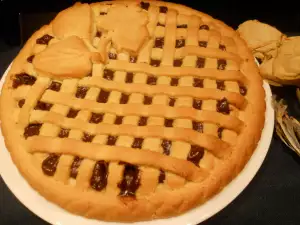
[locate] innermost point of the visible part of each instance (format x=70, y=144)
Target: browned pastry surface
x=130, y=111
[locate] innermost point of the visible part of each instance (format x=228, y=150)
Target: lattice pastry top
x=130, y=111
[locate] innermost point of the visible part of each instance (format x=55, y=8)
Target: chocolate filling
x=174, y=81
x=222, y=47
x=204, y=27
x=81, y=92
x=159, y=42
x=74, y=167
x=143, y=121
x=119, y=120
x=243, y=90
x=124, y=98
x=177, y=62
x=21, y=103
x=163, y=9
x=132, y=59
x=130, y=182
x=222, y=64
x=72, y=113
x=147, y=100
x=220, y=85
x=108, y=74
x=99, y=177
x=151, y=80
x=198, y=83
x=259, y=60
x=44, y=40
x=32, y=129
x=55, y=86
x=161, y=177
x=129, y=77
x=182, y=26
x=196, y=154
x=111, y=140
x=103, y=96
x=166, y=145
x=169, y=122
x=145, y=5
x=172, y=102
x=155, y=62
x=198, y=126
x=23, y=79
x=197, y=104
x=220, y=131
x=43, y=106
x=87, y=137
x=96, y=118
x=50, y=163
x=63, y=133
x=180, y=43
x=200, y=62
x=223, y=106
x=137, y=143
x=202, y=44
x=98, y=34
x=30, y=58
x=112, y=55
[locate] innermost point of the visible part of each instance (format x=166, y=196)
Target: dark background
x=272, y=197
x=18, y=19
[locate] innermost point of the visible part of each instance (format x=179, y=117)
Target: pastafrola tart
x=132, y=111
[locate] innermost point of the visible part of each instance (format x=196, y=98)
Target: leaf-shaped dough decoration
x=76, y=20
x=69, y=58
x=127, y=25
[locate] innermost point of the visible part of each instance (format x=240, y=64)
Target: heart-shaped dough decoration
x=127, y=26
x=76, y=20
x=69, y=58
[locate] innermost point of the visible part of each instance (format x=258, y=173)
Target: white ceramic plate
x=58, y=216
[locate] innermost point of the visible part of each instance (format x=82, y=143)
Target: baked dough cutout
x=126, y=26
x=69, y=58
x=76, y=20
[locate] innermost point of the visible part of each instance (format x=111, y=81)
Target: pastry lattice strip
x=116, y=153
x=226, y=121
x=214, y=50
x=35, y=93
x=211, y=143
x=233, y=98
x=199, y=93
x=210, y=73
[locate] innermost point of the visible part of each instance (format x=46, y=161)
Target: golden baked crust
x=196, y=127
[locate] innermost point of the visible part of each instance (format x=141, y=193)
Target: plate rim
x=223, y=198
